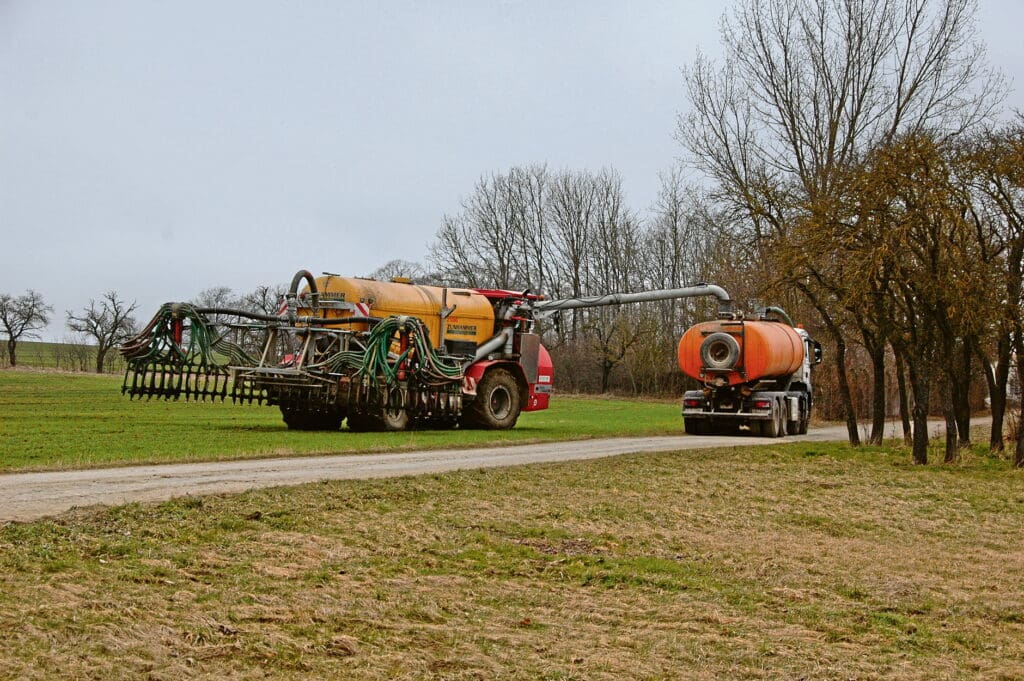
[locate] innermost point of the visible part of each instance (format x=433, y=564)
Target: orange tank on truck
x=726, y=352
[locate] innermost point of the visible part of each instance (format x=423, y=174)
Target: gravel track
x=29, y=496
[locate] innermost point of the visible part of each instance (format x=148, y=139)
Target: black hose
x=322, y=321
x=339, y=321
x=299, y=276
x=779, y=311
x=238, y=313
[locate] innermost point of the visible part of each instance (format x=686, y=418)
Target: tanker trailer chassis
x=768, y=413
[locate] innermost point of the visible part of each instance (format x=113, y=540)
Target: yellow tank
x=472, y=320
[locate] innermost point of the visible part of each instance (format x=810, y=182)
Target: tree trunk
x=952, y=427
x=961, y=393
x=997, y=379
x=877, y=394
x=844, y=382
x=12, y=345
x=1018, y=452
x=920, y=383
x=1018, y=346
x=901, y=382
x=101, y=354
x=844, y=391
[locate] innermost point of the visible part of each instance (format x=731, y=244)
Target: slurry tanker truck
x=755, y=374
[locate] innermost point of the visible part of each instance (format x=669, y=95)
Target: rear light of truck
x=691, y=402
x=762, y=404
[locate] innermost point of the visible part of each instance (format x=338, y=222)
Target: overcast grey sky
x=160, y=148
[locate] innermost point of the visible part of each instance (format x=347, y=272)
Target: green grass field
x=64, y=356
x=35, y=354
x=60, y=420
x=800, y=561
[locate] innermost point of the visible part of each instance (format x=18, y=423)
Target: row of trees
x=105, y=323
x=109, y=321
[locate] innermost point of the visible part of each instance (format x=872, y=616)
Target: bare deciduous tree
x=108, y=322
x=263, y=299
x=998, y=164
x=22, y=317
x=400, y=268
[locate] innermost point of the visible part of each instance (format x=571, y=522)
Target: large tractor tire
x=497, y=404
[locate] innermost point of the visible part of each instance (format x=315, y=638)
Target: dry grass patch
x=799, y=561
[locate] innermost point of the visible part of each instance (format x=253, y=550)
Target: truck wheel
x=770, y=428
x=792, y=427
x=496, y=406
x=694, y=426
x=802, y=427
x=393, y=416
x=782, y=418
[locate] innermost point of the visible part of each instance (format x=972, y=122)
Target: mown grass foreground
x=794, y=561
x=59, y=420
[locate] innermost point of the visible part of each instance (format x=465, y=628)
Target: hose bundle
x=164, y=361
x=421, y=360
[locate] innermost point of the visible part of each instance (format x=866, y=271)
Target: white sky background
x=160, y=148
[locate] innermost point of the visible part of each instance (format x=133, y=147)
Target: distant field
x=65, y=356
x=61, y=420
x=800, y=561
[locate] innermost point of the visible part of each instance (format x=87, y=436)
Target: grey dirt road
x=28, y=496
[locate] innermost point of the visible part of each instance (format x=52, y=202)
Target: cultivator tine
x=162, y=381
x=169, y=381
x=244, y=391
x=191, y=383
x=151, y=388
x=176, y=380
x=188, y=379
